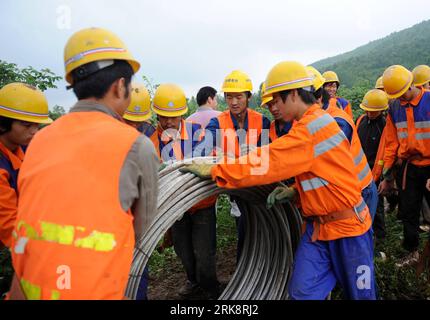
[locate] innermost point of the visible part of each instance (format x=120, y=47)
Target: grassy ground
x=395, y=283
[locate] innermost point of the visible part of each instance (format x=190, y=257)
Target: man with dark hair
x=235, y=132
x=193, y=236
x=207, y=101
x=88, y=189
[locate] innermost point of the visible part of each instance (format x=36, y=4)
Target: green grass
x=399, y=283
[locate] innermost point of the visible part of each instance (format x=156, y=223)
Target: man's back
x=69, y=212
x=203, y=115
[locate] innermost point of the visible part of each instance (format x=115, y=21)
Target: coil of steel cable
x=271, y=236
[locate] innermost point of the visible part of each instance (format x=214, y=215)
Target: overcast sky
x=196, y=43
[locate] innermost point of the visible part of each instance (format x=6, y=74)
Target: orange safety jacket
x=72, y=238
x=191, y=134
x=360, y=161
x=408, y=131
x=229, y=138
x=317, y=154
x=10, y=163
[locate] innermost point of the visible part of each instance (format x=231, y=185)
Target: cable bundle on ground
x=271, y=237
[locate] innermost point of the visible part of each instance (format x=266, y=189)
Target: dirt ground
x=166, y=284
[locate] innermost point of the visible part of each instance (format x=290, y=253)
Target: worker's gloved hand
x=162, y=167
x=280, y=195
x=428, y=185
x=202, y=170
x=247, y=148
x=386, y=187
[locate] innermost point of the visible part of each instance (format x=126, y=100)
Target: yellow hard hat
x=375, y=100
x=140, y=106
x=421, y=75
x=23, y=102
x=287, y=75
x=331, y=76
x=169, y=101
x=397, y=80
x=237, y=81
x=264, y=99
x=95, y=44
x=379, y=84
x=319, y=80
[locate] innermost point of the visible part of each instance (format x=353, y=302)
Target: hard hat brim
x=135, y=65
x=265, y=101
x=170, y=114
x=362, y=106
x=46, y=120
x=421, y=83
x=233, y=90
x=133, y=118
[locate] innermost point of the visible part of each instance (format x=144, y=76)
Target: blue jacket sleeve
x=206, y=146
x=345, y=127
x=265, y=134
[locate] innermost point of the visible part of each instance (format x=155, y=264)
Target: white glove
x=247, y=148
x=235, y=212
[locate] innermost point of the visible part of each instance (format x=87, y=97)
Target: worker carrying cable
x=88, y=186
x=139, y=112
x=337, y=244
x=23, y=109
x=332, y=85
x=407, y=141
x=193, y=236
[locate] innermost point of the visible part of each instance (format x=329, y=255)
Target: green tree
x=43, y=79
x=57, y=112
x=355, y=95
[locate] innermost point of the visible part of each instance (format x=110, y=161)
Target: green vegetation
x=359, y=69
x=43, y=79
x=409, y=47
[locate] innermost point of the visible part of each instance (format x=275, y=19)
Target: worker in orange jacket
x=82, y=207
x=22, y=109
x=235, y=132
x=408, y=142
x=332, y=85
x=369, y=190
x=194, y=235
x=337, y=244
